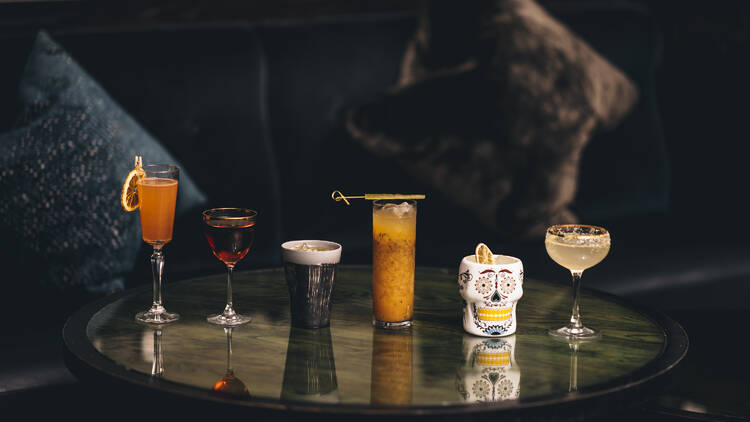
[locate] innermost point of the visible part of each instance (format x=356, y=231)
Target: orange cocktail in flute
x=158, y=196
x=153, y=189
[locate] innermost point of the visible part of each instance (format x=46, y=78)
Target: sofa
x=255, y=113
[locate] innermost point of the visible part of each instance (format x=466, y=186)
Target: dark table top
x=353, y=368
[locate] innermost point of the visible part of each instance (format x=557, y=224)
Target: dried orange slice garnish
x=129, y=196
x=483, y=254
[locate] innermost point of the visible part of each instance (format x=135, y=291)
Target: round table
x=351, y=368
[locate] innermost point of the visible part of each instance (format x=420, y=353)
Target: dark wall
x=704, y=95
x=702, y=83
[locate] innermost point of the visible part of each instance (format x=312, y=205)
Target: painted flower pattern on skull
x=507, y=284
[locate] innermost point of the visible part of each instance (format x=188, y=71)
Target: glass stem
x=228, y=330
x=573, y=384
x=157, y=368
x=157, y=269
x=575, y=318
x=229, y=310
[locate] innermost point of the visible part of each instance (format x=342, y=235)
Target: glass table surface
x=432, y=367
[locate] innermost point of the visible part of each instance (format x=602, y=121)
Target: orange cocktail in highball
x=394, y=234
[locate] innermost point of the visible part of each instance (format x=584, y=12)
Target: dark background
x=702, y=83
x=703, y=96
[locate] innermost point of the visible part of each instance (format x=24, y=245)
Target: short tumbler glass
x=310, y=268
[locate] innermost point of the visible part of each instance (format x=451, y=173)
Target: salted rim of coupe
x=571, y=234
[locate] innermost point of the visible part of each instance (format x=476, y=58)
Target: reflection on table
x=574, y=346
x=229, y=383
x=152, y=345
x=490, y=372
x=310, y=371
x=392, y=367
x=374, y=368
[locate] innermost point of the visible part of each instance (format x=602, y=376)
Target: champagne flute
x=230, y=233
x=576, y=247
x=157, y=193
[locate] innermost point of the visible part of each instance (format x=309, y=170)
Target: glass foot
x=157, y=315
x=228, y=320
x=392, y=325
x=573, y=333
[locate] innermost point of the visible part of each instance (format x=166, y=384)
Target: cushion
x=63, y=165
x=493, y=108
x=201, y=91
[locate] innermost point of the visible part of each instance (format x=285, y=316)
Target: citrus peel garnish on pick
x=338, y=196
x=129, y=196
x=483, y=254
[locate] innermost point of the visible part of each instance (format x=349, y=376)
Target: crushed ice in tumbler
x=398, y=210
x=309, y=248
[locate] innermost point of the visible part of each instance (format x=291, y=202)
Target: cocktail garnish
x=483, y=254
x=129, y=196
x=338, y=196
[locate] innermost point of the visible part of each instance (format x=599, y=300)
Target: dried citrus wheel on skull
x=129, y=196
x=483, y=254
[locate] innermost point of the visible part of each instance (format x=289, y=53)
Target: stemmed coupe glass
x=230, y=233
x=576, y=247
x=157, y=193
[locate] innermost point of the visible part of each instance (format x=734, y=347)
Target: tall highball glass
x=394, y=234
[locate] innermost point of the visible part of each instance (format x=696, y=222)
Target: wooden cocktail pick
x=338, y=196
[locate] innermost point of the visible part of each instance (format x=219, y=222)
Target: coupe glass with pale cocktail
x=576, y=247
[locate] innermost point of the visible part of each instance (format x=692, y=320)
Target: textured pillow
x=61, y=173
x=493, y=108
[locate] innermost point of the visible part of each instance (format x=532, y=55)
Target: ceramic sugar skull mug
x=490, y=293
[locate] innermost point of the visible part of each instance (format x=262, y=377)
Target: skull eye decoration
x=507, y=283
x=484, y=285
